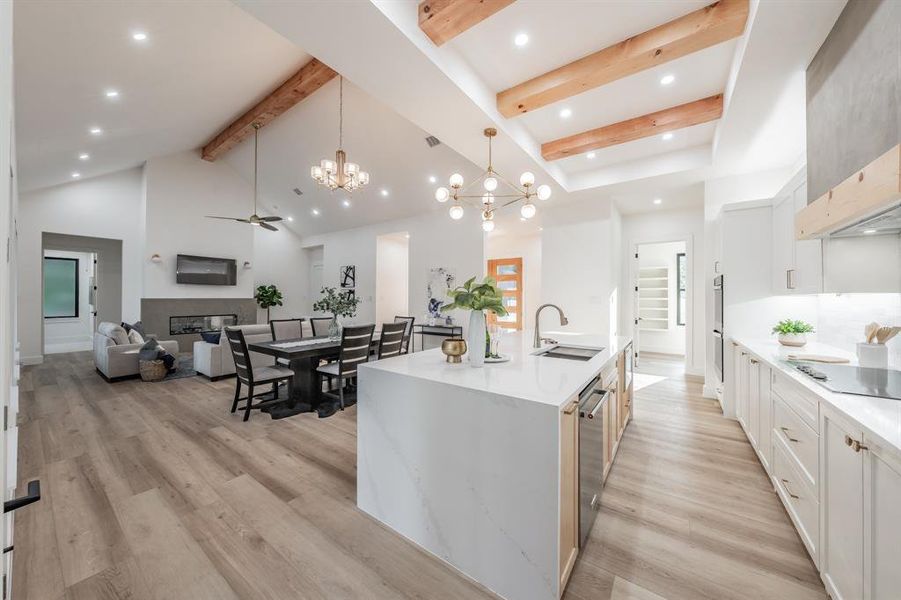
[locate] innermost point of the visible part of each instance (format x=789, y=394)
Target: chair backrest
x=243, y=367
x=355, y=343
x=320, y=325
x=286, y=329
x=392, y=340
x=408, y=331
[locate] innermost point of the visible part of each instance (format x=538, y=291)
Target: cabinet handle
x=790, y=279
x=854, y=444
x=753, y=361
x=790, y=438
x=571, y=408
x=716, y=266
x=785, y=483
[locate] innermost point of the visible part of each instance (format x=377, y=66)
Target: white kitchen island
x=467, y=462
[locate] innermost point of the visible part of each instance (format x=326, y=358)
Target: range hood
x=866, y=203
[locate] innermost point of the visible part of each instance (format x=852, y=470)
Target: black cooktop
x=846, y=379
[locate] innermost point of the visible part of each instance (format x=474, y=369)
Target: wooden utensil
x=818, y=358
x=870, y=331
x=884, y=334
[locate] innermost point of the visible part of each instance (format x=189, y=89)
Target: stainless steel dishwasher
x=592, y=433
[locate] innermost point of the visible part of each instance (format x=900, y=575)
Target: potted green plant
x=477, y=298
x=338, y=304
x=792, y=333
x=268, y=296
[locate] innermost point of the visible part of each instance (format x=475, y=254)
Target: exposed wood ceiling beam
x=307, y=80
x=695, y=31
x=669, y=119
x=443, y=20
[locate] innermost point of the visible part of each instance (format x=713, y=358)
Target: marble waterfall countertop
x=526, y=375
x=880, y=417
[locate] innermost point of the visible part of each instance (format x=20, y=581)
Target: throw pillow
x=136, y=326
x=134, y=337
x=211, y=337
x=150, y=350
x=115, y=332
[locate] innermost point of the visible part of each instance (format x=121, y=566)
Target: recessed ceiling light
x=345, y=203
x=139, y=36
x=432, y=179
x=96, y=131
x=541, y=229
x=667, y=79
x=76, y=175
x=290, y=219
x=590, y=155
x=407, y=236
x=566, y=113
x=521, y=39
x=84, y=156
x=667, y=136
x=522, y=218
x=315, y=212
x=869, y=231
x=658, y=201
x=112, y=93
x=384, y=192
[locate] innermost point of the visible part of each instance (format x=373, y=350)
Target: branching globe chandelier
x=491, y=200
x=338, y=173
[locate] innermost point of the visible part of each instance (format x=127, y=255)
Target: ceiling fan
x=254, y=219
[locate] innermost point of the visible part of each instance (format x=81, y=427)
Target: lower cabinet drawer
x=802, y=441
x=799, y=499
x=798, y=398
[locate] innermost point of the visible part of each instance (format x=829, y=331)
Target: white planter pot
x=475, y=339
x=795, y=340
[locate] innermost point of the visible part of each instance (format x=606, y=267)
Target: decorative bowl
x=795, y=340
x=454, y=348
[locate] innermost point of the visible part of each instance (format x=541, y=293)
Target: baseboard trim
x=31, y=360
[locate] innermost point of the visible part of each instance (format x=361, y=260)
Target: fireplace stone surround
x=156, y=314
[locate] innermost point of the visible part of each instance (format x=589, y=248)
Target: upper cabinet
x=797, y=264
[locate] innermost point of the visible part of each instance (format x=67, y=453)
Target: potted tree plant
x=792, y=333
x=268, y=296
x=477, y=298
x=338, y=304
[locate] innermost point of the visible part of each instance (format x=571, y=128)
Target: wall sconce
x=247, y=264
x=156, y=258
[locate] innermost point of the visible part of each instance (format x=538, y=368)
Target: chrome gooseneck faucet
x=538, y=338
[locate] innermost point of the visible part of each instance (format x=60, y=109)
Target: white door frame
x=689, y=295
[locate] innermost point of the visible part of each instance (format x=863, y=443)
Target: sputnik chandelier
x=490, y=200
x=338, y=173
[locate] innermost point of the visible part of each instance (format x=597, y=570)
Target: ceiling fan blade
x=270, y=219
x=226, y=218
x=268, y=226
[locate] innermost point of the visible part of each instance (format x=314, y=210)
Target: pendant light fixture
x=338, y=173
x=490, y=200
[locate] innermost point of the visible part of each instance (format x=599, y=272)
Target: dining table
x=303, y=355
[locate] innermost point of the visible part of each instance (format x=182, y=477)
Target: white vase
x=475, y=340
x=795, y=340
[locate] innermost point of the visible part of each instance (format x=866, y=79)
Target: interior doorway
x=392, y=276
x=662, y=314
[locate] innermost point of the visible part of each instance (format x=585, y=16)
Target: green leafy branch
x=339, y=304
x=788, y=326
x=477, y=296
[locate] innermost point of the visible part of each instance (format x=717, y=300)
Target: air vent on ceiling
x=432, y=141
x=298, y=191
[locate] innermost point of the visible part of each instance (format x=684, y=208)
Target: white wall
x=666, y=226
x=72, y=334
x=392, y=283
x=527, y=247
x=672, y=339
x=278, y=259
x=105, y=207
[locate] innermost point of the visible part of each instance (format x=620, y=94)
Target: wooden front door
x=508, y=274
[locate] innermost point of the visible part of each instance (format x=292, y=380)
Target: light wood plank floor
x=155, y=491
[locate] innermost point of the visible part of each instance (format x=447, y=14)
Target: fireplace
x=182, y=325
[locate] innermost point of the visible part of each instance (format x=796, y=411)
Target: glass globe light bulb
x=544, y=192
x=487, y=226
x=442, y=194
x=526, y=179
x=527, y=210
x=456, y=180
x=456, y=212
x=490, y=184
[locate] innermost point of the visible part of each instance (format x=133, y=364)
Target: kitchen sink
x=570, y=352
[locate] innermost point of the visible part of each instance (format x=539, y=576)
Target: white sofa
x=215, y=360
x=116, y=360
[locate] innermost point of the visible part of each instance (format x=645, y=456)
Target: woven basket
x=153, y=370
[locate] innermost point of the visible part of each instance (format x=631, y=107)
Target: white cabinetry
x=797, y=264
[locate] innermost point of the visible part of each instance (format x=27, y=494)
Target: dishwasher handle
x=603, y=394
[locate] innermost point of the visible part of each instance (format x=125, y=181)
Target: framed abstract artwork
x=347, y=276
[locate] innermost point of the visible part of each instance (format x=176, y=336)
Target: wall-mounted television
x=205, y=270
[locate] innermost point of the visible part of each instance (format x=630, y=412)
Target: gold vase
x=454, y=349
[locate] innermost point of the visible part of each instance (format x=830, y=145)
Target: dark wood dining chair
x=320, y=325
x=391, y=341
x=408, y=332
x=250, y=376
x=286, y=329
x=355, y=344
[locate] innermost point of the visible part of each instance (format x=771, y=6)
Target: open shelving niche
x=653, y=298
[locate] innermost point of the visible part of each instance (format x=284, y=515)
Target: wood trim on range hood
x=873, y=188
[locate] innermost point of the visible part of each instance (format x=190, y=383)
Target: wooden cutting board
x=823, y=358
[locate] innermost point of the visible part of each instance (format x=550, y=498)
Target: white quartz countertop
x=526, y=376
x=877, y=416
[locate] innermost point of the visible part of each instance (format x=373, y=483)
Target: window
x=60, y=287
x=681, y=277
